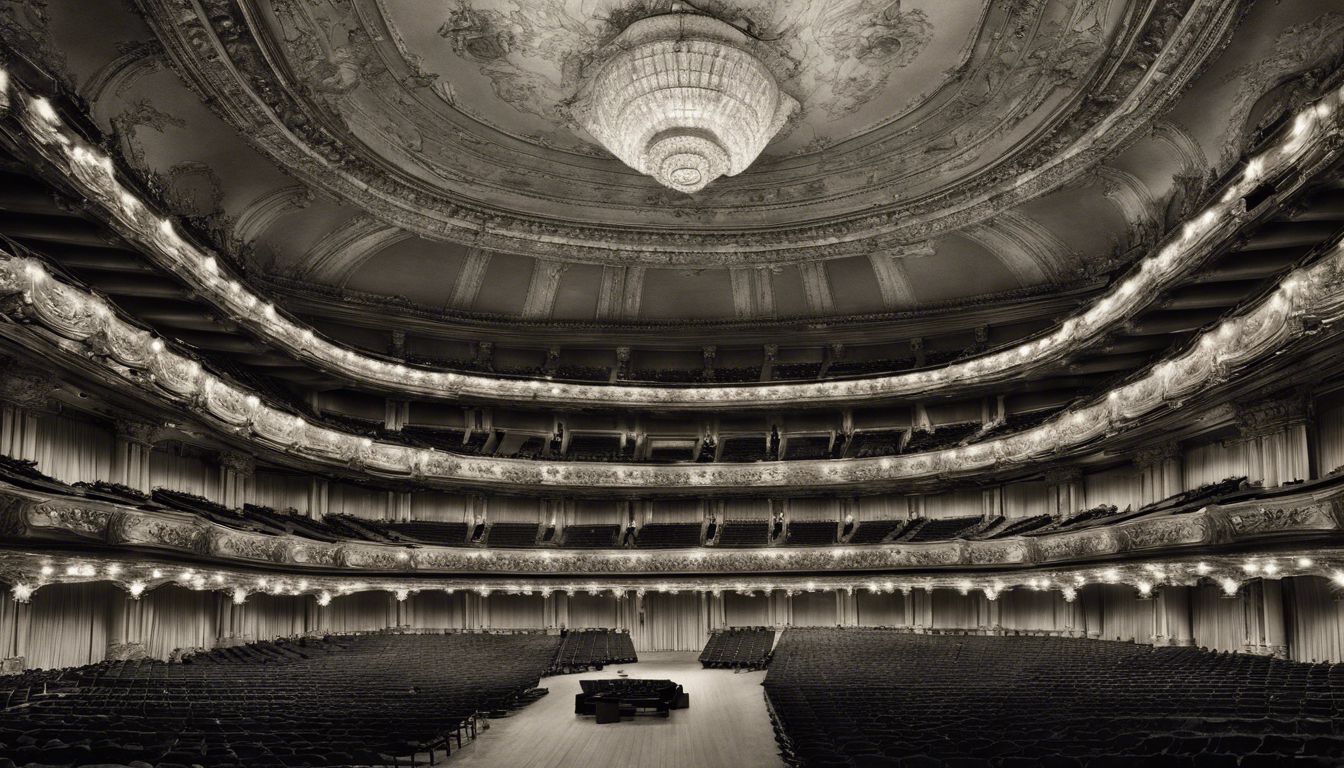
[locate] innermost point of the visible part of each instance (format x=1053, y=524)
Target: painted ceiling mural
x=944, y=151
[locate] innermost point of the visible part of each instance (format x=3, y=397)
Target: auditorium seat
x=581, y=649
x=668, y=535
x=738, y=648
x=590, y=536
x=744, y=533
x=939, y=529
x=875, y=697
x=811, y=533
x=442, y=534
x=512, y=534
x=336, y=701
x=876, y=531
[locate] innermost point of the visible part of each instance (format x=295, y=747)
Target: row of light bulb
x=1144, y=579
x=1152, y=274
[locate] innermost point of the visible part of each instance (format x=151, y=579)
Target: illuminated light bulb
x=239, y=596
x=1229, y=586
x=166, y=227
x=1251, y=567
x=185, y=576
x=156, y=573
x=44, y=109
x=252, y=401
x=218, y=579
x=1202, y=569
x=261, y=583
x=1339, y=578
x=1305, y=562
x=1271, y=568
x=113, y=569
x=1145, y=588
x=71, y=570
x=35, y=271
x=1111, y=575
x=209, y=263
x=303, y=584
x=1069, y=594
x=402, y=594
x=47, y=570
x=324, y=598
x=964, y=587
x=137, y=588
x=402, y=556
x=366, y=442
x=991, y=593
x=156, y=346
x=21, y=592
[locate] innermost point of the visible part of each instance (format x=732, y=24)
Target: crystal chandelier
x=682, y=98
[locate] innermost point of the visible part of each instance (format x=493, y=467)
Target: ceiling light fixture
x=682, y=97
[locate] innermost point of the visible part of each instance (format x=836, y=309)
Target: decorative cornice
x=23, y=385
x=1154, y=455
x=35, y=517
x=1271, y=415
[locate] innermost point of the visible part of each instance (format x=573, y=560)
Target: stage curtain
x=436, y=609
x=68, y=624
x=505, y=611
x=266, y=617
x=587, y=610
x=73, y=451
x=815, y=609
x=1315, y=621
x=14, y=618
x=346, y=499
x=672, y=623
x=1027, y=500
x=442, y=507
x=880, y=609
x=171, y=617
x=746, y=610
x=1217, y=623
x=1213, y=462
x=280, y=491
x=169, y=468
x=1122, y=487
x=1029, y=609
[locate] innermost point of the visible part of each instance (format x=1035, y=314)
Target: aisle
x=726, y=726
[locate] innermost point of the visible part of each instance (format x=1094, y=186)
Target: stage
x=725, y=727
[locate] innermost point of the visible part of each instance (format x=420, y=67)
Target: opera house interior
x=672, y=383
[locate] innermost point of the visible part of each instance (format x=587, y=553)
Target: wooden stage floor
x=726, y=726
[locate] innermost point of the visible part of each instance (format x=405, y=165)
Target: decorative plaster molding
x=335, y=257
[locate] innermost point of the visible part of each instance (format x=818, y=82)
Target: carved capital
x=242, y=464
x=1063, y=475
x=1265, y=417
x=23, y=385
x=139, y=432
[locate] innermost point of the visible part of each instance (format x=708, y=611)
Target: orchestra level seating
x=582, y=649
x=738, y=648
x=339, y=701
x=873, y=697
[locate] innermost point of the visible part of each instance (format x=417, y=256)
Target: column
x=398, y=506
x=1066, y=490
x=1274, y=432
x=847, y=607
x=991, y=610
x=319, y=497
x=236, y=472
x=23, y=395
x=1090, y=599
x=130, y=459
x=1159, y=471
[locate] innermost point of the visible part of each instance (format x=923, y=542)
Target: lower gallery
x=818, y=383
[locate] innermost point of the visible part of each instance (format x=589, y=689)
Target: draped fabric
x=1219, y=622
x=513, y=509
x=598, y=512
x=360, y=612
x=1330, y=437
x=746, y=509
x=73, y=451
x=1123, y=615
x=815, y=609
x=280, y=491
x=672, y=622
x=593, y=611
x=68, y=624
x=1027, y=499
x=346, y=499
x=179, y=472
x=675, y=511
x=442, y=507
x=746, y=610
x=1027, y=609
x=171, y=617
x=1218, y=461
x=814, y=509
x=519, y=612
x=880, y=609
x=960, y=503
x=266, y=617
x=436, y=609
x=1122, y=487
x=953, y=610
x=14, y=619
x=882, y=508
x=1315, y=619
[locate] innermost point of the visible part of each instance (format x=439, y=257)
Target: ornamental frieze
x=1165, y=532
x=1281, y=519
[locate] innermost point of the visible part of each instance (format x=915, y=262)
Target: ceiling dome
x=680, y=97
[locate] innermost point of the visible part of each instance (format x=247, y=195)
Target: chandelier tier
x=682, y=98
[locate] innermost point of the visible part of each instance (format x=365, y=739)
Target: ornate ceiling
x=943, y=151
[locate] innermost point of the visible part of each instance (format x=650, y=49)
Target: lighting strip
x=1309, y=296
x=29, y=572
x=95, y=174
